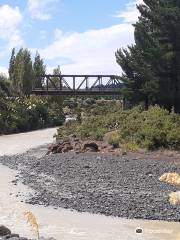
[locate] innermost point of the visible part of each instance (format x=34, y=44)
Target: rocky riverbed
x=97, y=183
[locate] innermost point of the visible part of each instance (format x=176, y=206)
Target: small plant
x=131, y=146
x=31, y=219
x=174, y=198
x=114, y=139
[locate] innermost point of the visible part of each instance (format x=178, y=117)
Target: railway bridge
x=78, y=85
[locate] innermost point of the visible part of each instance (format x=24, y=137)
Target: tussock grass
x=174, y=198
x=171, y=178
x=31, y=219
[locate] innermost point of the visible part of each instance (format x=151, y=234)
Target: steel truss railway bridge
x=78, y=85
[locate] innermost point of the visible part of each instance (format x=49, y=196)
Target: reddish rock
x=59, y=150
x=91, y=146
x=67, y=147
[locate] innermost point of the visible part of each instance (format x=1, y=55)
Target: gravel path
x=94, y=183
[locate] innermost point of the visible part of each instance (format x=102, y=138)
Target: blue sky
x=79, y=35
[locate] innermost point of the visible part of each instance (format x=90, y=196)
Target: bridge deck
x=78, y=85
x=75, y=93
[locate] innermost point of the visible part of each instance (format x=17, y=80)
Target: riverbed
x=58, y=222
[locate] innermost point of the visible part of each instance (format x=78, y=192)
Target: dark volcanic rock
x=90, y=146
x=5, y=234
x=4, y=231
x=96, y=183
x=64, y=146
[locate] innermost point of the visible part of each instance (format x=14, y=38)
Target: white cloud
x=93, y=51
x=130, y=15
x=10, y=21
x=40, y=9
x=89, y=52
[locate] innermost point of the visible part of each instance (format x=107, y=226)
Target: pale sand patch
x=19, y=143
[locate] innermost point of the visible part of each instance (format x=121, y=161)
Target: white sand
x=19, y=143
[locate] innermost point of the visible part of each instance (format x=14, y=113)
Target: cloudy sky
x=79, y=35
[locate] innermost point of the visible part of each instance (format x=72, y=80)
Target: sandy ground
x=60, y=223
x=19, y=143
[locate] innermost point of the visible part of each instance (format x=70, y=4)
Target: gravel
x=95, y=183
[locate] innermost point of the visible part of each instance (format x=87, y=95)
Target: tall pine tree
x=39, y=69
x=23, y=73
x=12, y=66
x=56, y=80
x=152, y=66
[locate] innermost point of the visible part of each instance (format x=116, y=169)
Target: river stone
x=91, y=146
x=139, y=230
x=4, y=231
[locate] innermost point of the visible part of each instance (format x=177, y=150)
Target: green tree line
x=151, y=66
x=23, y=71
x=20, y=112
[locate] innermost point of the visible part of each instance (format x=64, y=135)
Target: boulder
x=108, y=136
x=139, y=230
x=4, y=231
x=90, y=147
x=67, y=147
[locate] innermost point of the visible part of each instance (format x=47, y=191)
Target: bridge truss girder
x=81, y=85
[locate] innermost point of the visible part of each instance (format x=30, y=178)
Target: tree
x=4, y=86
x=23, y=77
x=56, y=80
x=138, y=79
x=39, y=69
x=56, y=100
x=12, y=65
x=152, y=66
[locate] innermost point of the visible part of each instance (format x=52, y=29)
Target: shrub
x=150, y=129
x=114, y=139
x=20, y=115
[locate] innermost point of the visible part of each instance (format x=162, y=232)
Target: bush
x=150, y=129
x=114, y=139
x=20, y=115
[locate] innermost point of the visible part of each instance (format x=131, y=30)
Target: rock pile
x=73, y=144
x=5, y=233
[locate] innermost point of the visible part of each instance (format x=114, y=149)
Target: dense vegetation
x=152, y=65
x=25, y=114
x=23, y=71
x=134, y=128
x=19, y=111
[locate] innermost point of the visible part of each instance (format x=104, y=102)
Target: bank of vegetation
x=19, y=111
x=131, y=129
